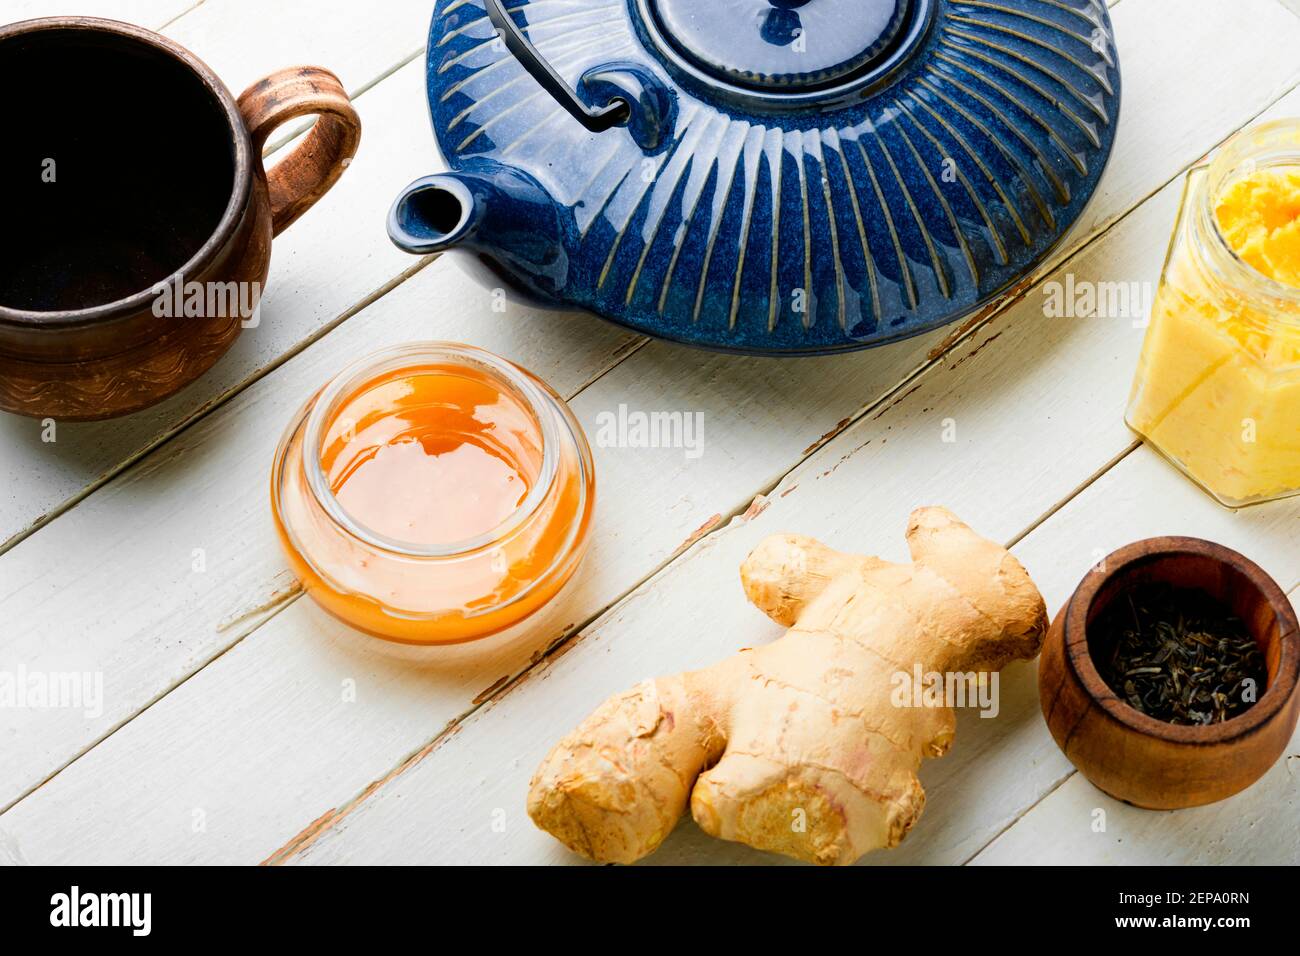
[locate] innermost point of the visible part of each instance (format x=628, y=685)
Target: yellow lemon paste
x=1259, y=215
x=1218, y=386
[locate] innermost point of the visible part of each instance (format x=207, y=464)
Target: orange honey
x=433, y=494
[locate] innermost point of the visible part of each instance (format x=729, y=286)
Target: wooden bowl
x=1145, y=761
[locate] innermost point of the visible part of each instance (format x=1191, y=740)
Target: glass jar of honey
x=433, y=494
x=1218, y=384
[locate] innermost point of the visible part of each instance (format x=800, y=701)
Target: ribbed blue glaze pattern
x=790, y=231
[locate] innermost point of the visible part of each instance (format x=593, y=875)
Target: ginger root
x=797, y=747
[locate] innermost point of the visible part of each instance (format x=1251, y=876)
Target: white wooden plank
x=778, y=433
x=1260, y=827
x=150, y=13
x=243, y=40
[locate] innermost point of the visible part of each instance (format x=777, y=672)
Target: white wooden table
x=240, y=724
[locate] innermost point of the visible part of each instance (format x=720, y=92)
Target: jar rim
x=412, y=355
x=1240, y=155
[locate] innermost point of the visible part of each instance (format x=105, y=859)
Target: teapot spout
x=490, y=209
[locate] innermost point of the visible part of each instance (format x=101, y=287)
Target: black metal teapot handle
x=596, y=119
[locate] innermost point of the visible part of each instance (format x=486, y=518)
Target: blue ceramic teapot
x=764, y=176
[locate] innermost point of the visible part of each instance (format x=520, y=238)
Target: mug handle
x=304, y=176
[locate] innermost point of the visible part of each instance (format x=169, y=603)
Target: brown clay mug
x=137, y=215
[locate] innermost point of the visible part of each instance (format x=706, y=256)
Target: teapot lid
x=782, y=44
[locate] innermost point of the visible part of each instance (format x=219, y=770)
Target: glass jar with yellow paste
x=1218, y=384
